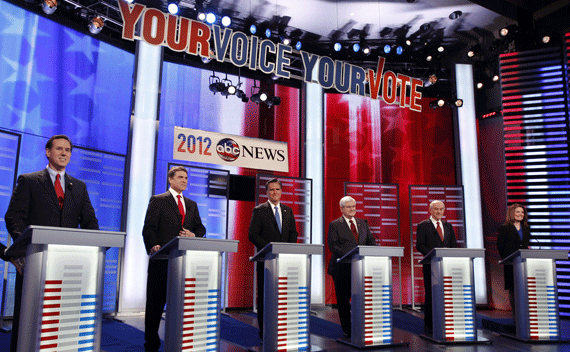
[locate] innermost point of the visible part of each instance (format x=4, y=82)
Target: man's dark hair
x=273, y=180
x=49, y=143
x=175, y=169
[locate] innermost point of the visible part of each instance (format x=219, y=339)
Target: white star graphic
x=81, y=44
x=30, y=121
x=16, y=22
x=84, y=86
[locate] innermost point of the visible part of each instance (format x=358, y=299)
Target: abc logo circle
x=228, y=149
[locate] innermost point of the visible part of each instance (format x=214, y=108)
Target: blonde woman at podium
x=513, y=235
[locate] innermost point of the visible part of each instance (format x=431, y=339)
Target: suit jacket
x=508, y=242
x=341, y=240
x=163, y=221
x=34, y=202
x=428, y=238
x=263, y=227
x=2, y=249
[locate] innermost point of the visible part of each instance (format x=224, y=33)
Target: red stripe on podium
x=54, y=282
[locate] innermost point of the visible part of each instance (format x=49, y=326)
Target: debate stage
x=239, y=333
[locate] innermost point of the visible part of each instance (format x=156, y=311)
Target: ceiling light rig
x=49, y=6
x=262, y=97
x=96, y=24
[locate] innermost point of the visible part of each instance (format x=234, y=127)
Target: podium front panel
x=70, y=292
x=289, y=317
x=538, y=295
x=371, y=301
x=193, y=303
x=455, y=319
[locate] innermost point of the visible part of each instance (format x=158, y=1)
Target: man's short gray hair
x=346, y=199
x=434, y=202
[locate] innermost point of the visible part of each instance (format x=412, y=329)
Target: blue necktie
x=278, y=218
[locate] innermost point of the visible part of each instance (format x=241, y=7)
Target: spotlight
x=268, y=33
x=479, y=85
x=546, y=39
x=96, y=25
x=458, y=103
x=429, y=58
x=173, y=8
x=455, y=15
x=474, y=50
x=366, y=50
x=399, y=50
x=284, y=37
x=226, y=21
x=228, y=90
x=441, y=49
x=273, y=101
x=440, y=102
x=387, y=49
x=49, y=6
x=217, y=87
x=252, y=29
x=356, y=47
x=201, y=16
x=337, y=46
x=210, y=17
x=509, y=31
x=130, y=1
x=495, y=78
x=298, y=45
x=408, y=42
x=258, y=97
x=241, y=95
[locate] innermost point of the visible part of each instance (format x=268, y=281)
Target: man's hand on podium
x=19, y=263
x=154, y=249
x=186, y=233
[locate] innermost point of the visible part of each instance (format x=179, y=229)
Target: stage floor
x=128, y=334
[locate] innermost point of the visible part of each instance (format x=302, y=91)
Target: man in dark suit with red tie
x=49, y=197
x=344, y=234
x=168, y=216
x=271, y=221
x=433, y=233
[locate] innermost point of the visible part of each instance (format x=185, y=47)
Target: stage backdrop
x=370, y=141
x=187, y=101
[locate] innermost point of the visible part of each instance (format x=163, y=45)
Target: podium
x=287, y=295
x=453, y=284
x=62, y=293
x=193, y=292
x=536, y=293
x=371, y=307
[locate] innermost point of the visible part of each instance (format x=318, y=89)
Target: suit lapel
x=48, y=185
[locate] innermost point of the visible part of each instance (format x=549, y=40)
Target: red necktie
x=181, y=209
x=439, y=231
x=353, y=229
x=59, y=191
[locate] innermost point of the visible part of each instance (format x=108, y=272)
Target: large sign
x=197, y=38
x=227, y=149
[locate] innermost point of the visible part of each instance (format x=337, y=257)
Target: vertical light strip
x=314, y=161
x=143, y=131
x=470, y=174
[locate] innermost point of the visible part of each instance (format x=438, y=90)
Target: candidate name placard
x=226, y=149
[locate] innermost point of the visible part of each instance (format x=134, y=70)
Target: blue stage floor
x=239, y=332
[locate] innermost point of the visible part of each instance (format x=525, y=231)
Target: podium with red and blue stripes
x=536, y=293
x=194, y=292
x=453, y=294
x=371, y=307
x=62, y=292
x=287, y=295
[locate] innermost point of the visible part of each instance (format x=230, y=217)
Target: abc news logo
x=229, y=150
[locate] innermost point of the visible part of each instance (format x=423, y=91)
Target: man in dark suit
x=433, y=233
x=49, y=197
x=344, y=234
x=168, y=215
x=271, y=221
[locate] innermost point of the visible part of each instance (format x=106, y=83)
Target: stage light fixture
x=259, y=97
x=366, y=50
x=474, y=50
x=96, y=25
x=273, y=101
x=545, y=39
x=173, y=7
x=241, y=95
x=130, y=1
x=298, y=45
x=495, y=78
x=479, y=85
x=429, y=58
x=387, y=49
x=49, y=6
x=201, y=16
x=408, y=42
x=226, y=21
x=356, y=47
x=268, y=33
x=399, y=50
x=441, y=48
x=210, y=18
x=337, y=46
x=455, y=15
x=458, y=103
x=440, y=102
x=509, y=31
x=217, y=87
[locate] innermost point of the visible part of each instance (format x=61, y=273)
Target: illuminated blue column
x=144, y=125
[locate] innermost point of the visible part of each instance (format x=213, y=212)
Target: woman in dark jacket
x=513, y=235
